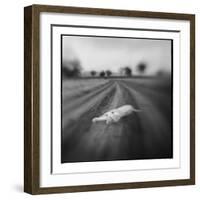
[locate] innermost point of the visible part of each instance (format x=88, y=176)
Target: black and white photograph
x=117, y=98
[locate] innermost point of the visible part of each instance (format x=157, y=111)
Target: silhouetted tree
x=93, y=73
x=160, y=73
x=163, y=73
x=128, y=71
x=108, y=73
x=71, y=68
x=141, y=67
x=102, y=74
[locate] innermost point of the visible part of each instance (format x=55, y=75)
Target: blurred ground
x=142, y=135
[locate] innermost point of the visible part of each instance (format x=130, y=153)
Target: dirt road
x=142, y=135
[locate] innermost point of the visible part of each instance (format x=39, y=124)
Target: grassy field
x=142, y=135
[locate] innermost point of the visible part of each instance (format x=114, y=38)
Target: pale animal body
x=116, y=114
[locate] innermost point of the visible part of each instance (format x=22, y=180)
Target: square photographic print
x=116, y=98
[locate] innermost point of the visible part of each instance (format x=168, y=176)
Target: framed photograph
x=109, y=99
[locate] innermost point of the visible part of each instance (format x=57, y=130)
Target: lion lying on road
x=116, y=114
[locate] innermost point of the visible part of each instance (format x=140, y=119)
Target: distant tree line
x=73, y=68
x=103, y=73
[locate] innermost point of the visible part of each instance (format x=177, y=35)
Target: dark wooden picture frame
x=32, y=93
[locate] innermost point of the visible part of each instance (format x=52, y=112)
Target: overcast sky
x=100, y=53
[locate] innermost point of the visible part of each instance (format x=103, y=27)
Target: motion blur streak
x=142, y=135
